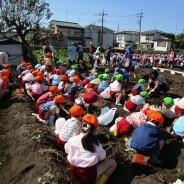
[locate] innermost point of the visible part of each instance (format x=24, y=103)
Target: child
x=165, y=110
x=178, y=128
x=134, y=104
x=116, y=89
x=92, y=98
x=28, y=77
x=4, y=83
x=56, y=78
x=37, y=89
x=179, y=108
x=64, y=85
x=140, y=85
x=72, y=91
x=103, y=84
x=85, y=152
x=47, y=97
x=71, y=126
x=148, y=139
x=49, y=110
x=125, y=126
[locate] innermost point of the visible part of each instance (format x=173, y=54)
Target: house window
x=161, y=44
x=74, y=33
x=78, y=33
x=120, y=38
x=149, y=37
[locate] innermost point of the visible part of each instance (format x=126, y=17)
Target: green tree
x=179, y=42
x=23, y=19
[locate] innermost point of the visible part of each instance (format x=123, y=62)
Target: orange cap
x=49, y=54
x=38, y=78
x=54, y=89
x=6, y=65
x=91, y=119
x=76, y=79
x=39, y=73
x=76, y=110
x=154, y=115
x=5, y=72
x=5, y=78
x=58, y=71
x=34, y=72
x=59, y=99
x=64, y=77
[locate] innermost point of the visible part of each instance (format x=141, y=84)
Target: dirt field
x=29, y=153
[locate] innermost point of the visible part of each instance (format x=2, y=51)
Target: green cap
x=106, y=77
x=141, y=81
x=168, y=100
x=100, y=76
x=118, y=77
x=96, y=53
x=74, y=67
x=95, y=74
x=144, y=94
x=107, y=70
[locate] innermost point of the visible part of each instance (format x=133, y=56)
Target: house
x=125, y=38
x=70, y=32
x=155, y=39
x=93, y=34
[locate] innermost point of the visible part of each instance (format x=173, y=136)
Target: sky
x=121, y=15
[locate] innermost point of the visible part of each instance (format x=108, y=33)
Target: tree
x=22, y=18
x=179, y=42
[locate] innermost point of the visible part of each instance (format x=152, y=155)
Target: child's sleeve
x=101, y=152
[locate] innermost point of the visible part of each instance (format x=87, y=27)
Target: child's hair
x=155, y=122
x=89, y=140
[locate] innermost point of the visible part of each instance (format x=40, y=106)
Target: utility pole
x=102, y=14
x=118, y=28
x=140, y=15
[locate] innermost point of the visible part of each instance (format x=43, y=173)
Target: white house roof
x=98, y=28
x=66, y=24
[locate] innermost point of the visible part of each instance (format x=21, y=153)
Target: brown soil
x=29, y=153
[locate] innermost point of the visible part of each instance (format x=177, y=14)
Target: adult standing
x=3, y=59
x=80, y=51
x=72, y=53
x=171, y=58
x=128, y=59
x=91, y=52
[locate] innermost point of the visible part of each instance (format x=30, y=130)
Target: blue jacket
x=56, y=80
x=146, y=138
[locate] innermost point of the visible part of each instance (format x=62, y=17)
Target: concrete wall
x=15, y=51
x=166, y=48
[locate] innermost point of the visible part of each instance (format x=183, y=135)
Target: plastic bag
x=106, y=93
x=106, y=116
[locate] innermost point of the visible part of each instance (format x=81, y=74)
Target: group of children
x=53, y=88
